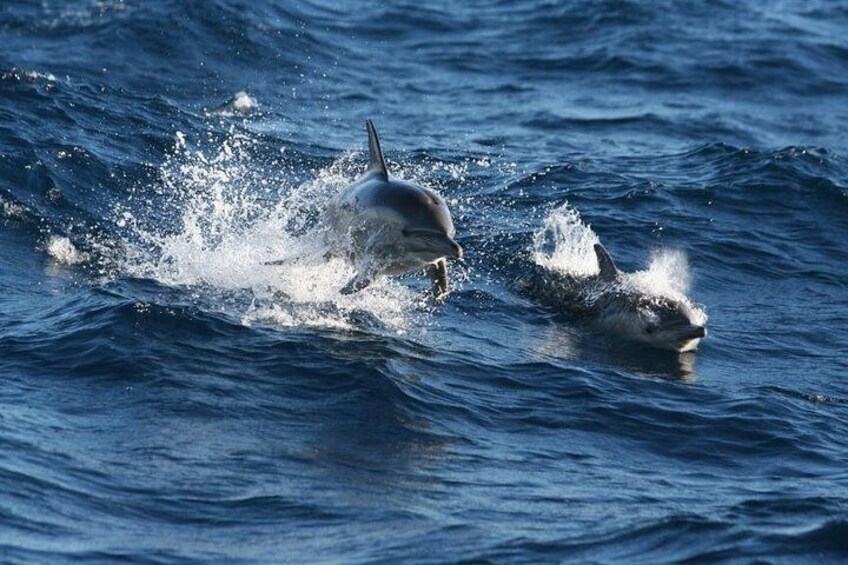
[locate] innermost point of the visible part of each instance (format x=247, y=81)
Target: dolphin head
x=424, y=225
x=661, y=321
x=669, y=324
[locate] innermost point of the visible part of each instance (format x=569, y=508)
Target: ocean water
x=166, y=398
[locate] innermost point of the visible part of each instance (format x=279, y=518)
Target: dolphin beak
x=696, y=331
x=434, y=242
x=457, y=249
x=449, y=247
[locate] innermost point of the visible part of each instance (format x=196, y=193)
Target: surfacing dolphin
x=388, y=226
x=620, y=306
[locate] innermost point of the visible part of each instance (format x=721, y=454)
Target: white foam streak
x=241, y=103
x=64, y=252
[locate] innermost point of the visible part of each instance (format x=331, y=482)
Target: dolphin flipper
x=607, y=266
x=438, y=272
x=357, y=283
x=376, y=162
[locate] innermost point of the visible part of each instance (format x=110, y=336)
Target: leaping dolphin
x=617, y=305
x=388, y=226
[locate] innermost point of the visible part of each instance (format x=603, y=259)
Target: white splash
x=667, y=274
x=11, y=209
x=240, y=103
x=566, y=244
x=64, y=252
x=211, y=225
x=33, y=76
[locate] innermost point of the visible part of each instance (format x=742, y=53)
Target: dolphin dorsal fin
x=376, y=162
x=608, y=269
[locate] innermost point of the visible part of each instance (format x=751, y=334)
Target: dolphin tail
x=607, y=266
x=376, y=163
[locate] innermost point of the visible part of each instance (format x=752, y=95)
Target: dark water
x=165, y=398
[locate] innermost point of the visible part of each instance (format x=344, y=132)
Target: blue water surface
x=165, y=400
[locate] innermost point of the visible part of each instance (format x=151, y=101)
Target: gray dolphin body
x=619, y=307
x=388, y=226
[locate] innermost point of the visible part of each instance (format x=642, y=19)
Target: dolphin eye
x=404, y=232
x=650, y=329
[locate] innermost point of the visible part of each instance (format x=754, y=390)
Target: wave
x=162, y=383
